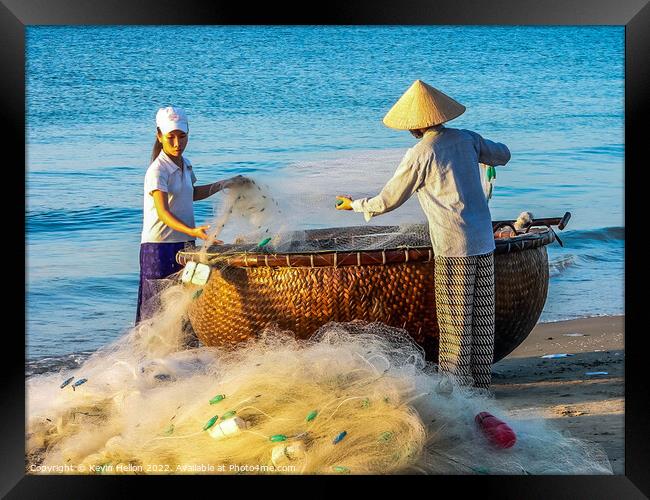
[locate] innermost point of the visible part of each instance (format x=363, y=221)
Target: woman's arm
x=202, y=192
x=161, y=202
x=491, y=153
x=406, y=180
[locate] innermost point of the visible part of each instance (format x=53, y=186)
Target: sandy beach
x=570, y=391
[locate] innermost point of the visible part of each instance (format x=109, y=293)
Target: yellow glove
x=344, y=203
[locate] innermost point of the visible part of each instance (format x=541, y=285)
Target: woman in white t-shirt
x=169, y=193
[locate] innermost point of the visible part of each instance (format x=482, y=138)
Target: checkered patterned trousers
x=465, y=309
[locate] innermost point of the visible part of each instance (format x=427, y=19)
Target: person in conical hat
x=442, y=169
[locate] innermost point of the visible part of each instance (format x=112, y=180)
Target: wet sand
x=589, y=407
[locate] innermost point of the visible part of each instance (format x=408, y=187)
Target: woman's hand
x=202, y=192
x=199, y=232
x=344, y=202
x=238, y=180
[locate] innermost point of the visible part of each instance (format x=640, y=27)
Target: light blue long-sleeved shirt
x=442, y=169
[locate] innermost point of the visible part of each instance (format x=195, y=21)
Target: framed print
x=386, y=240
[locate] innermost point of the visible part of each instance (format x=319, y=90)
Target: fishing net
x=355, y=398
x=293, y=222
x=262, y=223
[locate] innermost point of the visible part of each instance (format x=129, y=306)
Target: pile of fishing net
x=356, y=398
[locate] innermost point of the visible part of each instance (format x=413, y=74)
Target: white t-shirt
x=163, y=174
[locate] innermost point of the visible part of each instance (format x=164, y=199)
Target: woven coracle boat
x=320, y=277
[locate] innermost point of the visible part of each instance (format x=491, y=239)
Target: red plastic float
x=497, y=431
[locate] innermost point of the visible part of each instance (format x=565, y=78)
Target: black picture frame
x=15, y=15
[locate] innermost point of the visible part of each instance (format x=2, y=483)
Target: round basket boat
x=251, y=288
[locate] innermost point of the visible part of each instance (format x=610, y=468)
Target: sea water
x=300, y=108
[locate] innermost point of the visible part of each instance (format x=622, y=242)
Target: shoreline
x=86, y=353
x=571, y=393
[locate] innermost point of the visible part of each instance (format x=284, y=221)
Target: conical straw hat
x=422, y=106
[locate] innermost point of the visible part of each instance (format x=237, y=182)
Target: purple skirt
x=157, y=261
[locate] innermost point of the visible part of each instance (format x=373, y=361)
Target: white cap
x=171, y=118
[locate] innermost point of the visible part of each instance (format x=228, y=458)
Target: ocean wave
x=558, y=266
x=557, y=318
x=586, y=248
x=614, y=234
x=51, y=364
x=64, y=220
x=68, y=173
x=561, y=264
x=606, y=151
